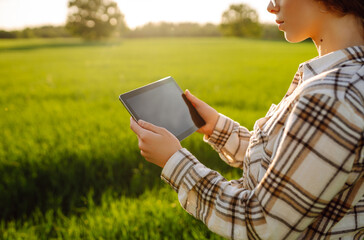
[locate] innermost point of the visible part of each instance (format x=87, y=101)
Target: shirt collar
x=349, y=56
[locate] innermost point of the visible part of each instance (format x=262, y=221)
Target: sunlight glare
x=139, y=12
x=17, y=14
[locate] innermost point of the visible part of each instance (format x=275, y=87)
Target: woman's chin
x=292, y=38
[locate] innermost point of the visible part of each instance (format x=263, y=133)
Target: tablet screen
x=163, y=104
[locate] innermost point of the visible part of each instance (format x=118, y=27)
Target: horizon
x=33, y=14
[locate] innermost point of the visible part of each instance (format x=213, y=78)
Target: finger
x=135, y=127
x=194, y=100
x=145, y=155
x=150, y=127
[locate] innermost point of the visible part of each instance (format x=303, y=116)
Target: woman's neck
x=339, y=33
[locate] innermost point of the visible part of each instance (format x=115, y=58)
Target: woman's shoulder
x=344, y=83
x=337, y=73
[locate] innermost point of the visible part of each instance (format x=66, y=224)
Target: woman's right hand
x=208, y=114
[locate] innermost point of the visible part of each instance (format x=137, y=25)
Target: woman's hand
x=156, y=144
x=208, y=114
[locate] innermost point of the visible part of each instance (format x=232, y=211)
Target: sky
x=18, y=14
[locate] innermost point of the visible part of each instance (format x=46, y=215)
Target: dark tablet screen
x=163, y=104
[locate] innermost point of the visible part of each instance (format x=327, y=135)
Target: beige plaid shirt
x=303, y=163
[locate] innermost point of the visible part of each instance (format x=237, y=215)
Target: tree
x=94, y=19
x=6, y=34
x=240, y=20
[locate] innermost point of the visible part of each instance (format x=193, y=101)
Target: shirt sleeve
x=305, y=181
x=230, y=140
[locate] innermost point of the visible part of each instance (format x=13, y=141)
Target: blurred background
x=70, y=166
x=140, y=18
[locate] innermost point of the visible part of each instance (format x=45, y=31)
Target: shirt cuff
x=177, y=167
x=221, y=133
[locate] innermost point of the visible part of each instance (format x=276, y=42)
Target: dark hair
x=355, y=7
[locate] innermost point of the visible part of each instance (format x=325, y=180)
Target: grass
x=67, y=154
x=153, y=215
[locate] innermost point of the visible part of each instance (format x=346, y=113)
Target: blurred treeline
x=97, y=20
x=37, y=32
x=161, y=29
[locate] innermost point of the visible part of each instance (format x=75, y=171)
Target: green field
x=69, y=163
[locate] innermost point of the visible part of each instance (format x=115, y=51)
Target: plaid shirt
x=303, y=163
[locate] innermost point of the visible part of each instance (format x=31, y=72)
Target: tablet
x=164, y=104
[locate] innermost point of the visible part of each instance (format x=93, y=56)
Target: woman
x=303, y=163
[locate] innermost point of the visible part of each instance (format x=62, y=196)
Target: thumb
x=149, y=126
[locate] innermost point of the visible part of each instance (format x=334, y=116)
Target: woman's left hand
x=156, y=144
